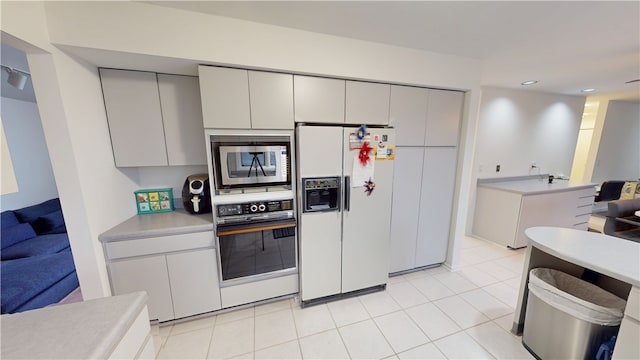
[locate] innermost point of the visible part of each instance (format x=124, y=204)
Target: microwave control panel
x=254, y=207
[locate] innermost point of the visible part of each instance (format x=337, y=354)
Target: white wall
x=160, y=31
x=29, y=154
x=167, y=176
x=618, y=155
x=517, y=127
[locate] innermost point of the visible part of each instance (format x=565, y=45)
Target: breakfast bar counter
x=609, y=262
x=111, y=327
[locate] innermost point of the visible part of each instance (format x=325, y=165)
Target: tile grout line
x=373, y=319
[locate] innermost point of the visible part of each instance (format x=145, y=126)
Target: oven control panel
x=254, y=207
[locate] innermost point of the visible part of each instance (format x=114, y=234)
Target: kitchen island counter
x=505, y=208
x=535, y=186
x=175, y=222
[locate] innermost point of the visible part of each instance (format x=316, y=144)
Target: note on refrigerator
x=361, y=174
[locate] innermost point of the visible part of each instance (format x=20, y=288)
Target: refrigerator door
x=366, y=224
x=320, y=255
x=319, y=154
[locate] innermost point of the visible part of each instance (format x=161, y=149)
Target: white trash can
x=567, y=317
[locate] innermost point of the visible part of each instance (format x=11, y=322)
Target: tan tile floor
x=430, y=314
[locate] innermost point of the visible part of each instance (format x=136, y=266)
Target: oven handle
x=258, y=227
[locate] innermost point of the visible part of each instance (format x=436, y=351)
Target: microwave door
x=248, y=165
x=256, y=163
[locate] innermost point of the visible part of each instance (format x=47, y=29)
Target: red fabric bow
x=363, y=156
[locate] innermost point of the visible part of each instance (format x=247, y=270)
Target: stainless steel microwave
x=241, y=165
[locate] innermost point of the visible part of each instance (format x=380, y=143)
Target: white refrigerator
x=346, y=249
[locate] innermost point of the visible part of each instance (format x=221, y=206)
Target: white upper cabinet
x=367, y=103
x=271, y=99
x=241, y=99
x=443, y=117
x=154, y=119
x=225, y=97
x=133, y=110
x=408, y=114
x=318, y=100
x=182, y=118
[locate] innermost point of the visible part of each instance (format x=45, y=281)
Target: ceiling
x=566, y=46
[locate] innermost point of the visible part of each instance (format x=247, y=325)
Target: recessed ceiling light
x=529, y=82
x=588, y=90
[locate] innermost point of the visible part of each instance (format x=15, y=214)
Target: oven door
x=256, y=251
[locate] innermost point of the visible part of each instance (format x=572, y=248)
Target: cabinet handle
x=254, y=229
x=347, y=193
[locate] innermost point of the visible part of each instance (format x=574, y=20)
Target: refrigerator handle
x=347, y=192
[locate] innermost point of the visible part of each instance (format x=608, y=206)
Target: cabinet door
x=367, y=103
x=225, y=98
x=318, y=100
x=407, y=182
x=135, y=121
x=182, y=118
x=443, y=117
x=194, y=282
x=436, y=205
x=145, y=274
x=408, y=114
x=547, y=209
x=271, y=99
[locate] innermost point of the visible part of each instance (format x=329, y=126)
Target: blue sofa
x=37, y=267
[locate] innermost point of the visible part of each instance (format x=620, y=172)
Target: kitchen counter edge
x=608, y=255
x=524, y=188
x=110, y=318
x=176, y=222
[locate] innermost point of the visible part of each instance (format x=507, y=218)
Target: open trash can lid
x=576, y=297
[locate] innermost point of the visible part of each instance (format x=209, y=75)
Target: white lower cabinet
x=194, y=282
x=145, y=274
x=179, y=284
x=627, y=345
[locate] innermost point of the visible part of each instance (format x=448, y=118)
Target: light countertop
x=175, y=222
x=608, y=255
x=86, y=330
x=536, y=186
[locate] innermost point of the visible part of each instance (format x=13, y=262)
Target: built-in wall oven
x=256, y=240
